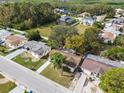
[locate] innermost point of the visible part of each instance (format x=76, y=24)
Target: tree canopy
x=91, y=40
x=113, y=81
x=75, y=42
x=119, y=41
x=114, y=53
x=33, y=35
x=59, y=34
x=57, y=59
x=26, y=15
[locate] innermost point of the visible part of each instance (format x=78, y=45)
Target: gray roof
x=4, y=33
x=106, y=61
x=37, y=47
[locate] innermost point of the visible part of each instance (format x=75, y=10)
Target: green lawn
x=5, y=88
x=28, y=62
x=44, y=30
x=54, y=74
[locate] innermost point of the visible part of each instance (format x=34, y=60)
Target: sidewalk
x=18, y=89
x=43, y=66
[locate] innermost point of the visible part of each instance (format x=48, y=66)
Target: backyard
x=55, y=75
x=30, y=62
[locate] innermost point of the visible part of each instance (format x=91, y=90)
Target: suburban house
x=86, y=20
x=37, y=49
x=84, y=14
x=113, y=28
x=61, y=11
x=3, y=34
x=119, y=12
x=108, y=37
x=95, y=65
x=66, y=20
x=15, y=41
x=71, y=61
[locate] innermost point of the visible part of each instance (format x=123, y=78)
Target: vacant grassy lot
x=44, y=30
x=54, y=74
x=31, y=63
x=5, y=88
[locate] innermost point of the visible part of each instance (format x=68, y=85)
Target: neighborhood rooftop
x=105, y=61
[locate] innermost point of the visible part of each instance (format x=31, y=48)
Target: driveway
x=29, y=78
x=43, y=66
x=15, y=53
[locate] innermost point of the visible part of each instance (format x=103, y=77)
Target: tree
x=3, y=49
x=34, y=35
x=113, y=81
x=92, y=40
x=114, y=53
x=75, y=42
x=57, y=60
x=26, y=15
x=59, y=34
x=98, y=25
x=119, y=41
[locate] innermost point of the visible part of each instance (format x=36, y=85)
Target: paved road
x=15, y=53
x=28, y=78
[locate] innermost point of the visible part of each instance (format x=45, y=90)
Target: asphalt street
x=28, y=78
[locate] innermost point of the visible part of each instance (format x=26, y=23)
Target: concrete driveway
x=15, y=53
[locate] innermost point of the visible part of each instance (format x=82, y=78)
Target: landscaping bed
x=55, y=75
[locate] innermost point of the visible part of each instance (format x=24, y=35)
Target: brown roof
x=14, y=40
x=108, y=35
x=72, y=59
x=95, y=66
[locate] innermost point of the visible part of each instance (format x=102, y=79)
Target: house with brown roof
x=108, y=36
x=72, y=60
x=95, y=65
x=15, y=41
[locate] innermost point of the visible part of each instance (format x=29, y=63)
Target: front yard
x=5, y=88
x=55, y=75
x=28, y=61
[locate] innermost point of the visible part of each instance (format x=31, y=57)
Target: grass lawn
x=5, y=88
x=29, y=62
x=44, y=30
x=81, y=28
x=54, y=74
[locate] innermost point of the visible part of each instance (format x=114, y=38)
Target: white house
x=37, y=49
x=86, y=20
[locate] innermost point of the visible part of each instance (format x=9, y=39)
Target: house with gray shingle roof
x=37, y=49
x=95, y=65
